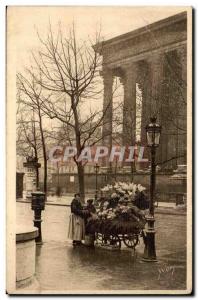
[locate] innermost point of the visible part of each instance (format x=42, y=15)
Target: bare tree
x=28, y=136
x=68, y=71
x=31, y=98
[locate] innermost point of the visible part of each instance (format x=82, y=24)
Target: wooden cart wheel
x=131, y=240
x=114, y=240
x=99, y=237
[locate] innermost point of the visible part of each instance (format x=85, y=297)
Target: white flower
x=105, y=204
x=140, y=188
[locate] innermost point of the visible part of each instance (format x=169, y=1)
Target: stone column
x=182, y=115
x=157, y=101
x=107, y=75
x=156, y=64
x=129, y=107
x=182, y=52
x=144, y=79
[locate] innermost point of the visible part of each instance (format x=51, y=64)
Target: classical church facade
x=152, y=59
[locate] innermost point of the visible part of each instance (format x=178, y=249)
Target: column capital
x=129, y=68
x=182, y=50
x=106, y=73
x=129, y=72
x=156, y=57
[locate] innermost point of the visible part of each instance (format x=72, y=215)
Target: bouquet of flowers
x=118, y=211
x=121, y=219
x=122, y=187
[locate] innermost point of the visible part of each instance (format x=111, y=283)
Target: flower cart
x=120, y=218
x=113, y=233
x=125, y=228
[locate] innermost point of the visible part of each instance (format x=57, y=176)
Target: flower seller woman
x=76, y=230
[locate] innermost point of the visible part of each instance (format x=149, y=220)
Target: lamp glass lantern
x=153, y=133
x=96, y=167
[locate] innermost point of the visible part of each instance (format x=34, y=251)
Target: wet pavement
x=61, y=268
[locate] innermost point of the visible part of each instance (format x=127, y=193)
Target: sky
x=25, y=21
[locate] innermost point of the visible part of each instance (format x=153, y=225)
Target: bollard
x=38, y=204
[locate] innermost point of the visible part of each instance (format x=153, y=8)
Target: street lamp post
x=96, y=167
x=153, y=132
x=38, y=204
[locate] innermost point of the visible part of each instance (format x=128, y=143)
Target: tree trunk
x=58, y=190
x=37, y=169
x=45, y=177
x=80, y=167
x=81, y=182
x=44, y=154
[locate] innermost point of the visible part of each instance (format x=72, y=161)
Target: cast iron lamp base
x=149, y=250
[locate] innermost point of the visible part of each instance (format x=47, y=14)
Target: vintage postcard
x=99, y=150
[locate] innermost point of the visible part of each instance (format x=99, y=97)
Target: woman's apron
x=76, y=230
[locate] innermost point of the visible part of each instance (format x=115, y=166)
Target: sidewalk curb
x=163, y=210
x=46, y=203
x=172, y=212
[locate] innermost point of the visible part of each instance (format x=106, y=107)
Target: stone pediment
x=139, y=44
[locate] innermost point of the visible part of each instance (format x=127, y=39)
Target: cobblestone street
x=60, y=267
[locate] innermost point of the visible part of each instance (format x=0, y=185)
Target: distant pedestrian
x=76, y=230
x=141, y=200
